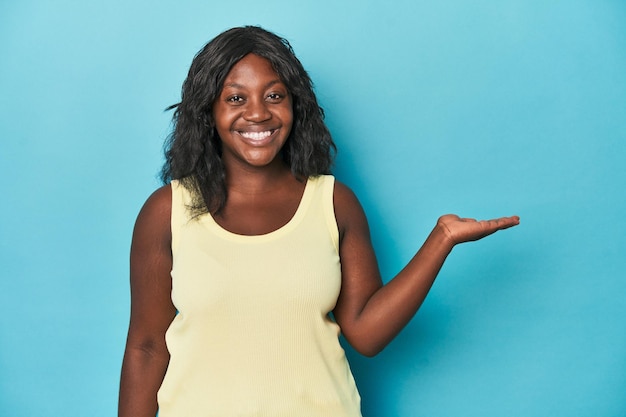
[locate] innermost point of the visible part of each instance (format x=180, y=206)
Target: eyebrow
x=268, y=85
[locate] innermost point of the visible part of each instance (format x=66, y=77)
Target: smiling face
x=253, y=113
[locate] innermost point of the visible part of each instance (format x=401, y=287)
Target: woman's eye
x=235, y=99
x=275, y=96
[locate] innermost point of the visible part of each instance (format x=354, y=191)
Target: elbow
x=370, y=353
x=367, y=348
x=146, y=345
x=148, y=349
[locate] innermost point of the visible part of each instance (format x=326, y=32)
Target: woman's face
x=253, y=113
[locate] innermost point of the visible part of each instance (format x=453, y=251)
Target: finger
x=505, y=222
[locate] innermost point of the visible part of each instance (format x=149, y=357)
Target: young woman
x=250, y=261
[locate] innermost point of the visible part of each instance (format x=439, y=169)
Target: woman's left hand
x=461, y=230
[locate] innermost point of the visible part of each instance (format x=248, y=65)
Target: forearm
x=142, y=374
x=391, y=307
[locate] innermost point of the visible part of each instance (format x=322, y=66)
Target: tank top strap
x=180, y=214
x=325, y=198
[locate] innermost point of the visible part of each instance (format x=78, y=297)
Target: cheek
x=288, y=123
x=220, y=129
x=287, y=115
x=223, y=121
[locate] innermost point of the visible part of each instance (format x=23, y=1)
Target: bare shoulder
x=159, y=202
x=348, y=210
x=155, y=214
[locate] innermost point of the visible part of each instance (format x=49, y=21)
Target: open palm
x=461, y=230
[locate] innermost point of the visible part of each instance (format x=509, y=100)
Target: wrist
x=442, y=237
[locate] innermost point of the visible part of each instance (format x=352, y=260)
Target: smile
x=257, y=135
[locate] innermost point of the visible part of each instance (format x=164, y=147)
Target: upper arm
x=152, y=310
x=360, y=275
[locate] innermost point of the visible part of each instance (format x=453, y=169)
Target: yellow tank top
x=253, y=336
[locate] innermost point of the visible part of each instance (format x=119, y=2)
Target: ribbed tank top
x=253, y=336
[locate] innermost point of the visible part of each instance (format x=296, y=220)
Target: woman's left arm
x=371, y=314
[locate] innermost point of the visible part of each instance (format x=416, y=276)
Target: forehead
x=250, y=68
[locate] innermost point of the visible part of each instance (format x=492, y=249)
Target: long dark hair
x=193, y=149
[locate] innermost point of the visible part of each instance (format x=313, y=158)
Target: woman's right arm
x=151, y=312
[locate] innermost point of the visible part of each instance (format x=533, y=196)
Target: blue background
x=481, y=108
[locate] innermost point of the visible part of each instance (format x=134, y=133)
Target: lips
x=260, y=138
x=256, y=135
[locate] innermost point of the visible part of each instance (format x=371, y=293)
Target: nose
x=257, y=111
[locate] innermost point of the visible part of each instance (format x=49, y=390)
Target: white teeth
x=256, y=135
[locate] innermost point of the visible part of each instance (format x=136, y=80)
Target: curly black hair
x=193, y=149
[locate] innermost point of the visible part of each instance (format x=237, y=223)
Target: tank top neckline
x=305, y=201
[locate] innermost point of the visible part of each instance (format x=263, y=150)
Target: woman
x=239, y=261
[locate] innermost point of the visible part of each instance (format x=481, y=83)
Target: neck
x=257, y=180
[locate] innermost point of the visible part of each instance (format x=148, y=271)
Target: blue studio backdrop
x=482, y=108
